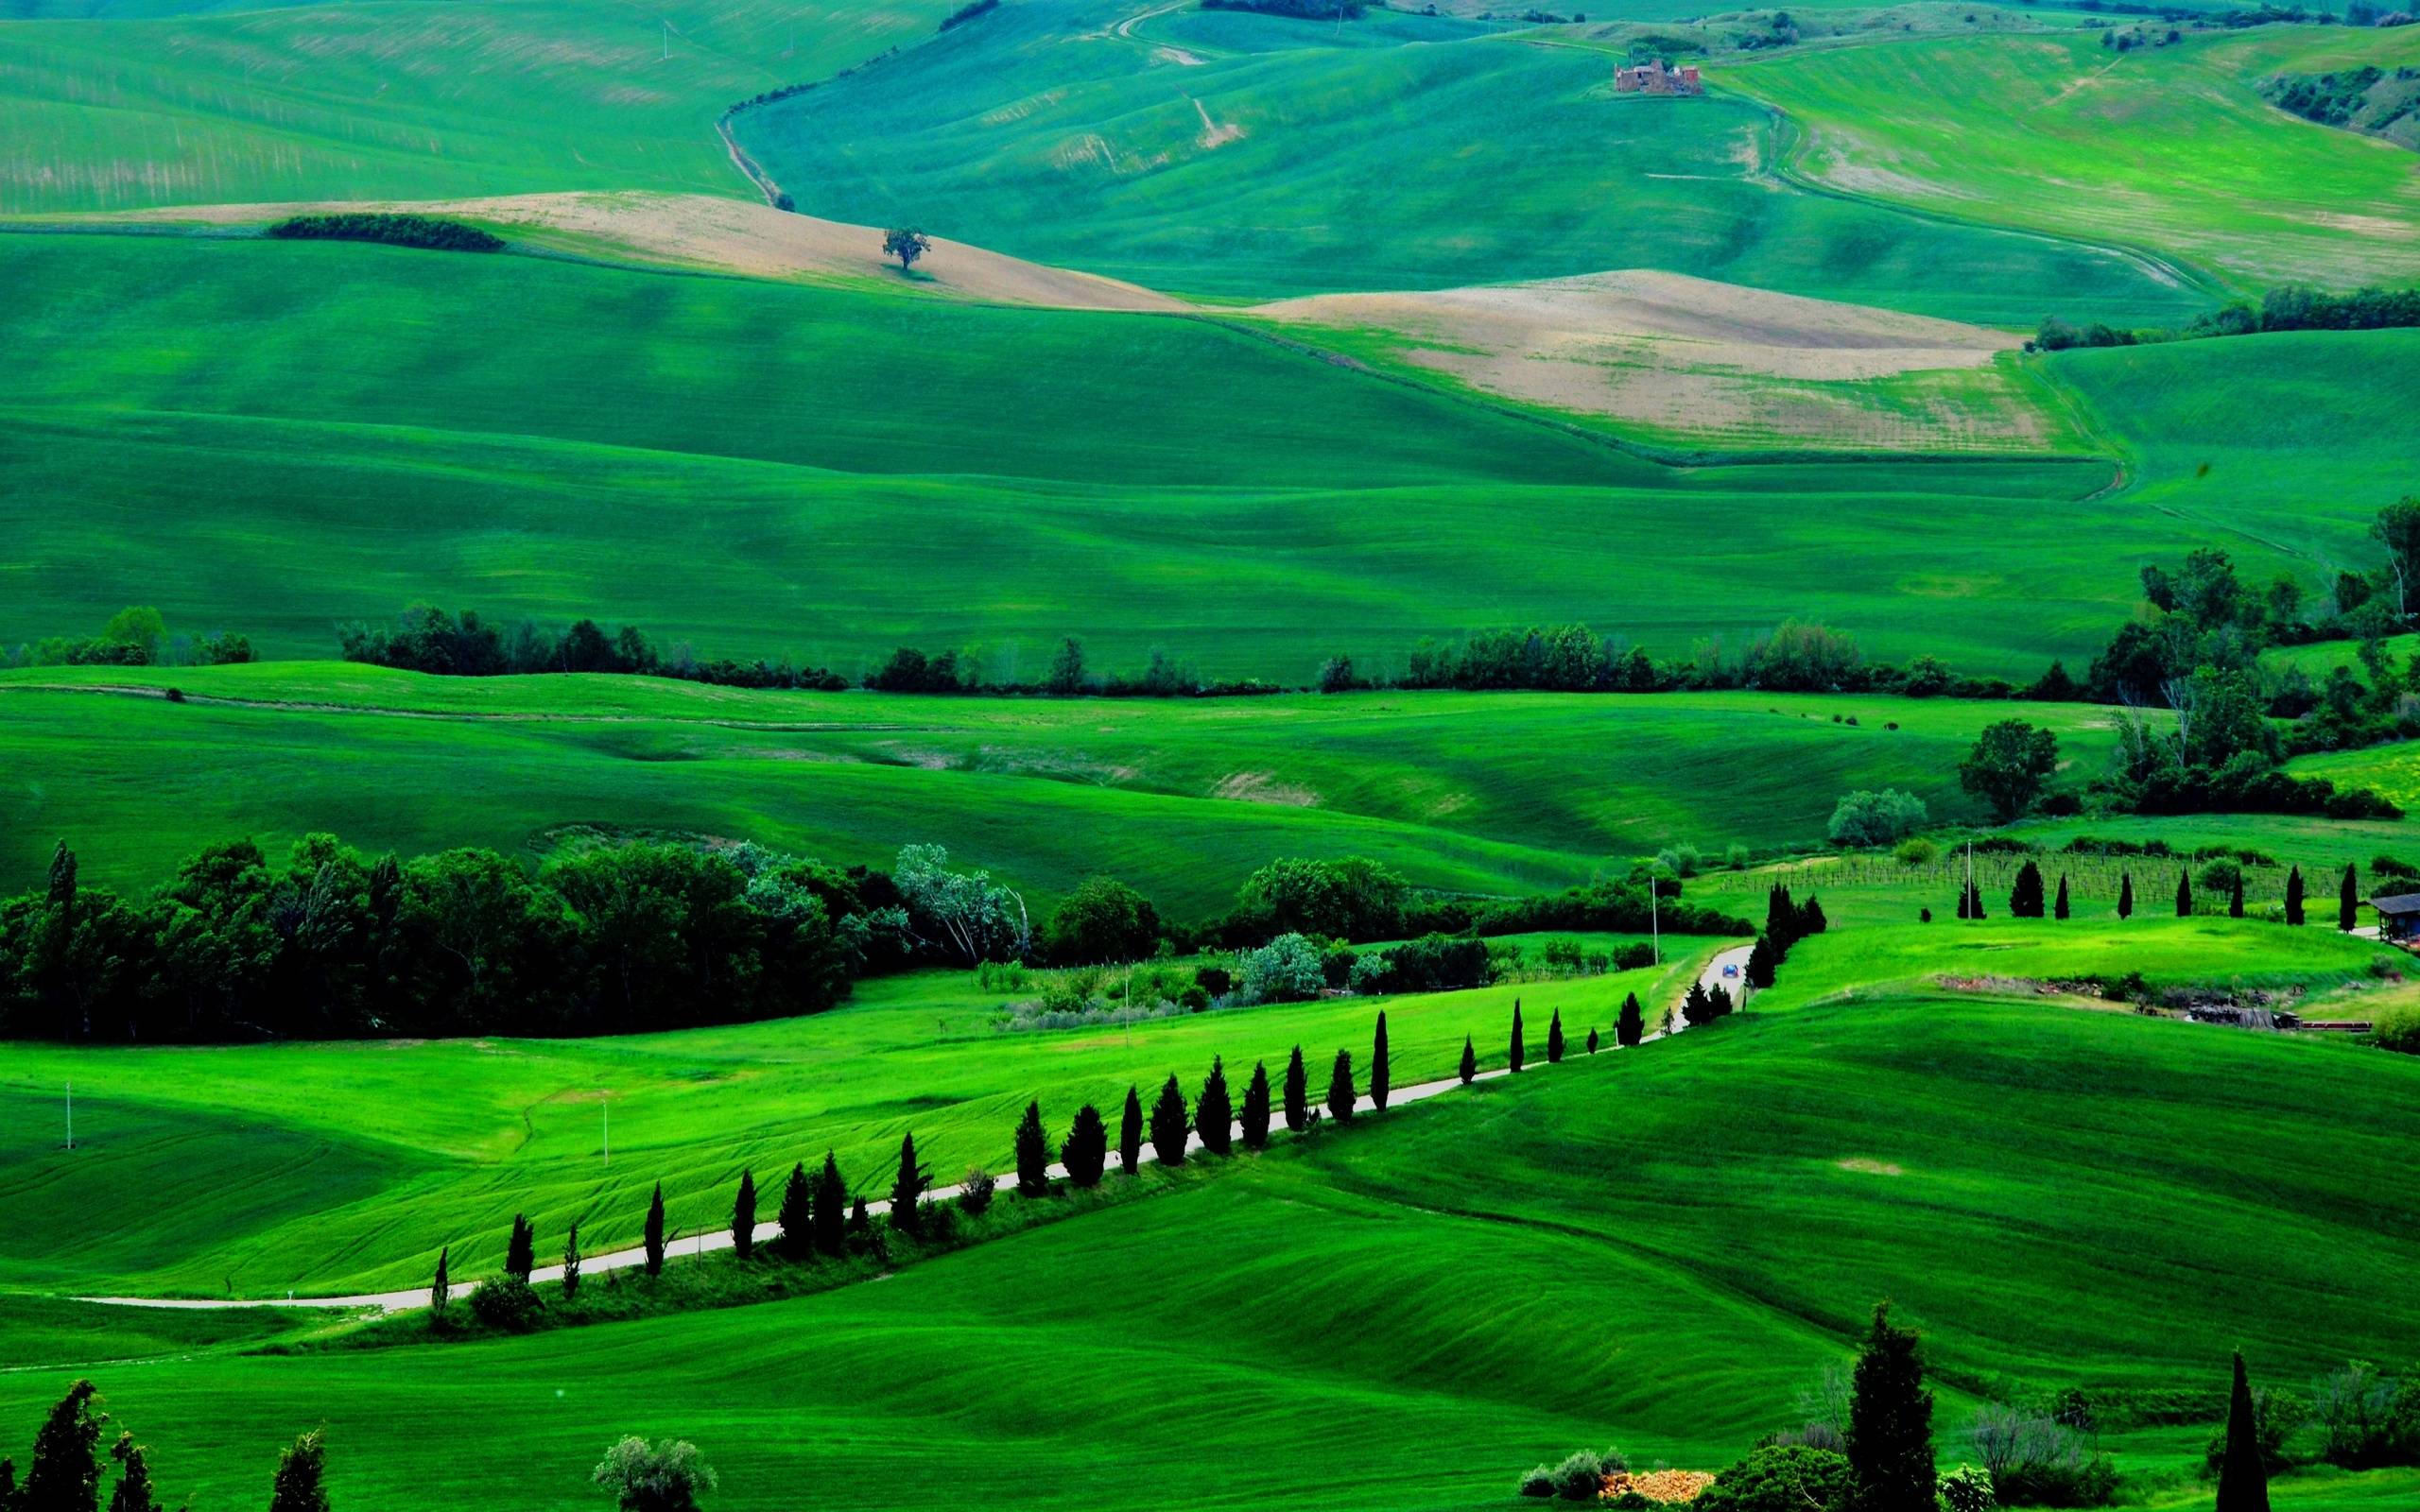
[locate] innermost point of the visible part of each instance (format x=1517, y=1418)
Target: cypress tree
x=1592, y=1039
x=743, y=1216
x=829, y=1213
x=1632, y=1026
x=2243, y=1479
x=1256, y=1109
x=1168, y=1125
x=65, y=1470
x=1470, y=1060
x=907, y=1191
x=1378, y=1081
x=857, y=1233
x=2059, y=909
x=1965, y=892
x=1718, y=998
x=2235, y=898
x=1130, y=1132
x=1697, y=1007
x=134, y=1492
x=1810, y=919
x=654, y=1238
x=796, y=1216
x=520, y=1251
x=2125, y=894
x=2024, y=894
x=571, y=1263
x=1214, y=1115
x=300, y=1475
x=2183, y=895
x=1086, y=1152
x=1514, y=1055
x=2294, y=896
x=1764, y=962
x=440, y=1291
x=1298, y=1092
x=1555, y=1039
x=1033, y=1154
x=1781, y=915
x=1339, y=1088
x=1975, y=900
x=1889, y=1427
x=2348, y=902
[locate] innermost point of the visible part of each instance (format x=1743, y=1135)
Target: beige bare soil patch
x=1691, y=357
x=734, y=236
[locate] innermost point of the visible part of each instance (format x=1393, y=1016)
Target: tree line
x=428, y=231
x=136, y=636
x=427, y=639
x=2285, y=307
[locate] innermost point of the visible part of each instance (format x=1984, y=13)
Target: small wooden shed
x=2398, y=917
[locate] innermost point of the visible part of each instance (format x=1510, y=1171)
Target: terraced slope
x=1055, y=131
x=2168, y=149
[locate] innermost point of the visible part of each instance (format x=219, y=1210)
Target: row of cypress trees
x=2025, y=896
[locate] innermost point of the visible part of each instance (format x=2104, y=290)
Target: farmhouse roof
x=2398, y=904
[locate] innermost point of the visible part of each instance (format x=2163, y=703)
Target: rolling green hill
x=1062, y=130
x=2166, y=148
x=1410, y=1315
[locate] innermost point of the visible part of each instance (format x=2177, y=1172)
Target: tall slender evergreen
x=2024, y=894
x=1889, y=1427
x=1469, y=1069
x=1378, y=1085
x=1555, y=1039
x=796, y=1215
x=1630, y=1027
x=2244, y=1478
x=1298, y=1092
x=2059, y=909
x=571, y=1263
x=1130, y=1132
x=1764, y=962
x=301, y=1476
x=829, y=1214
x=1512, y=1054
x=2183, y=895
x=2348, y=902
x=440, y=1291
x=1168, y=1125
x=134, y=1492
x=743, y=1216
x=2235, y=898
x=64, y=1471
x=1256, y=1107
x=1033, y=1154
x=2294, y=895
x=907, y=1191
x=2125, y=894
x=1214, y=1112
x=521, y=1249
x=1339, y=1088
x=653, y=1236
x=1592, y=1039
x=1086, y=1152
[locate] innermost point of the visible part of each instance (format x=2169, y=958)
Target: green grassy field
x=2181, y=157
x=1261, y=170
x=1411, y=1315
x=399, y=99
x=1481, y=792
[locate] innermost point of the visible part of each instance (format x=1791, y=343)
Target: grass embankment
x=337, y=1167
x=1421, y=1309
x=2166, y=148
x=1288, y=166
x=1481, y=792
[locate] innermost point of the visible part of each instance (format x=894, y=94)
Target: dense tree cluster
x=2287, y=307
x=427, y=639
x=135, y=636
x=428, y=231
x=65, y=1470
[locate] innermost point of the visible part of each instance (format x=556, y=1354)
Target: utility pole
x=70, y=1115
x=609, y=1133
x=668, y=40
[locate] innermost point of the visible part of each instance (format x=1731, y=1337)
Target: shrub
x=1967, y=1489
x=1783, y=1478
x=2219, y=877
x=1916, y=852
x=2035, y=1460
x=1580, y=1477
x=975, y=1196
x=1288, y=969
x=1865, y=818
x=505, y=1304
x=1216, y=981
x=2366, y=1420
x=2399, y=1031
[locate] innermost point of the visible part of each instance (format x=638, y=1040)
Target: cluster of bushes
x=136, y=637
x=330, y=943
x=427, y=639
x=1296, y=10
x=2286, y=307
x=391, y=231
x=1797, y=657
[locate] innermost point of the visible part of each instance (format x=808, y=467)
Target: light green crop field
x=401, y=100
x=1482, y=792
x=1057, y=131
x=2168, y=149
x=1412, y=1314
x=332, y=1168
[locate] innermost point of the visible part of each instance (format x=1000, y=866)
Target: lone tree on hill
x=1168, y=1125
x=2025, y=896
x=1086, y=1152
x=2125, y=895
x=302, y=1472
x=571, y=1263
x=1214, y=1113
x=2059, y=909
x=1469, y=1069
x=1514, y=1051
x=520, y=1251
x=831, y=1209
x=653, y=1236
x=796, y=1215
x=2244, y=1478
x=907, y=1191
x=743, y=1216
x=2348, y=902
x=440, y=1291
x=1033, y=1154
x=907, y=244
x=1298, y=1092
x=1130, y=1132
x=1889, y=1439
x=2294, y=895
x=1339, y=1088
x=2183, y=895
x=2007, y=767
x=1630, y=1027
x=665, y=1478
x=1379, y=1066
x=1555, y=1039
x=1256, y=1109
